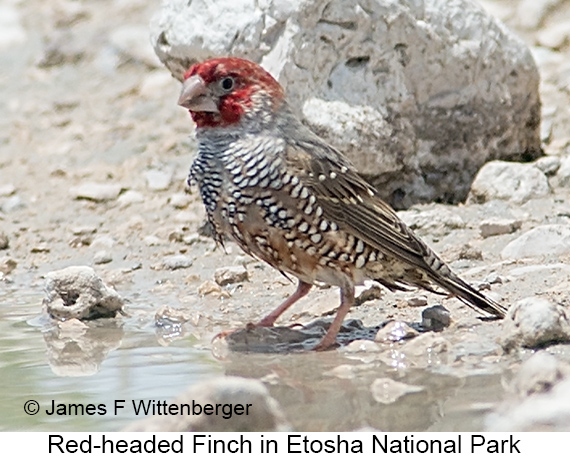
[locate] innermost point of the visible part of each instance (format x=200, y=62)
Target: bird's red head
x=219, y=92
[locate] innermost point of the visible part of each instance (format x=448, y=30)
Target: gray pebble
x=435, y=318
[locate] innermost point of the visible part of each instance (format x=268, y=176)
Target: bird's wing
x=352, y=203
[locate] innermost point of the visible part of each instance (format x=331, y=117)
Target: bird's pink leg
x=346, y=301
x=302, y=290
x=268, y=321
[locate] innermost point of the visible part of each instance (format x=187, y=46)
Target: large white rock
x=418, y=94
x=544, y=240
x=516, y=182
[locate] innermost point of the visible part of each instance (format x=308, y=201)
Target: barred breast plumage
x=293, y=201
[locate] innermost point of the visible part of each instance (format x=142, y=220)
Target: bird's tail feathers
x=471, y=297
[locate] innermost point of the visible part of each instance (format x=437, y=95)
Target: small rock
x=7, y=265
x=77, y=292
x=395, y=331
x=12, y=203
x=231, y=275
x=544, y=240
x=535, y=322
x=417, y=302
x=4, y=241
x=176, y=235
x=435, y=318
x=81, y=240
x=159, y=179
x=494, y=278
x=516, y=182
x=374, y=292
x=177, y=261
x=537, y=375
x=84, y=230
x=98, y=192
x=191, y=239
x=7, y=189
x=244, y=260
x=386, y=390
x=493, y=227
x=211, y=288
x=102, y=257
x=152, y=240
x=130, y=197
x=549, y=165
x=263, y=413
x=179, y=200
x=41, y=247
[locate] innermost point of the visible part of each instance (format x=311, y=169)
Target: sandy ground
x=83, y=100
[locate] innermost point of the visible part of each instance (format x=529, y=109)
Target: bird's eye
x=228, y=83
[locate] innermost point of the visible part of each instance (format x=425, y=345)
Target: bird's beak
x=195, y=96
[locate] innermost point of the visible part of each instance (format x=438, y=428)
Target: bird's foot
x=326, y=344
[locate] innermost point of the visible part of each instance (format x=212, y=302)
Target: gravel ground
x=94, y=153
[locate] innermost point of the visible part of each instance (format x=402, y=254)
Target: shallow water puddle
x=127, y=359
